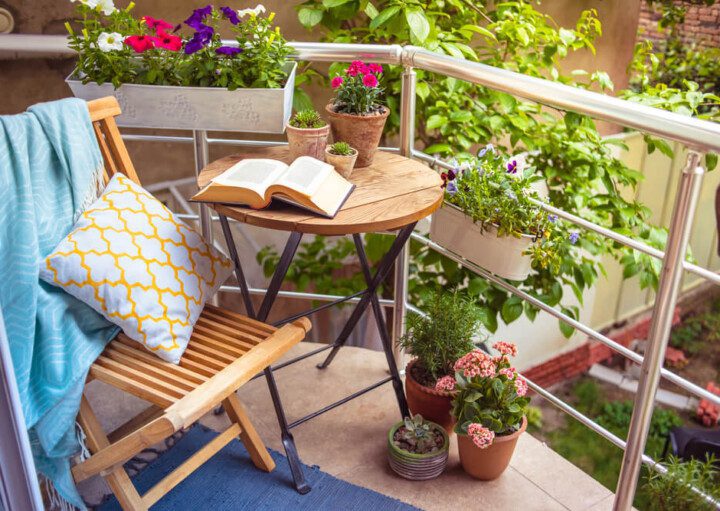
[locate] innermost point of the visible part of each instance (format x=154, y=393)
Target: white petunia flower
x=259, y=9
x=109, y=41
x=106, y=6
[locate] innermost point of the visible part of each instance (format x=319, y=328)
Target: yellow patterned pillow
x=132, y=260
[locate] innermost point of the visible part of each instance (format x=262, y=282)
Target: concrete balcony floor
x=349, y=442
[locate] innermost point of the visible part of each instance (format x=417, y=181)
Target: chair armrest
x=206, y=396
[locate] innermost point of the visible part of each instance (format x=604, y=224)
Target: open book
x=308, y=183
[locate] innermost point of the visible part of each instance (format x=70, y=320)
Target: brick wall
x=702, y=24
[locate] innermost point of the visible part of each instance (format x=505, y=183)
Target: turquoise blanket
x=49, y=166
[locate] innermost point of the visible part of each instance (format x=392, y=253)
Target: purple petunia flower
x=198, y=16
x=231, y=15
x=512, y=167
x=574, y=237
x=199, y=40
x=228, y=50
x=552, y=218
x=451, y=188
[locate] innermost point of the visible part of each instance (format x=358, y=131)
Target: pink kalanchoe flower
x=157, y=24
x=521, y=386
x=336, y=82
x=370, y=80
x=446, y=383
x=508, y=372
x=480, y=435
x=506, y=348
x=476, y=363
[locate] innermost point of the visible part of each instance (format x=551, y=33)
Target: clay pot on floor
x=344, y=164
x=362, y=132
x=489, y=463
x=433, y=405
x=417, y=467
x=307, y=141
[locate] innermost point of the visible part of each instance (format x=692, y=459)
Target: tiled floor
x=350, y=442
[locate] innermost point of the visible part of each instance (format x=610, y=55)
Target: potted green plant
x=356, y=114
x=489, y=216
x=490, y=405
x=164, y=79
x=307, y=135
x=418, y=449
x=341, y=156
x=436, y=341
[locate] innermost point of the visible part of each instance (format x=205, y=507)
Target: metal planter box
x=197, y=108
x=501, y=255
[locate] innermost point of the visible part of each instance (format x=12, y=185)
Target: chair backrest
x=114, y=152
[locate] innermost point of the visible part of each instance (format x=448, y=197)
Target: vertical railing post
x=202, y=158
x=407, y=142
x=663, y=311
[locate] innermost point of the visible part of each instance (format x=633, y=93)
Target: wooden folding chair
x=226, y=350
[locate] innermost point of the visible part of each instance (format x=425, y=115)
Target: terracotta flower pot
x=433, y=405
x=307, y=141
x=362, y=132
x=417, y=467
x=344, y=164
x=489, y=463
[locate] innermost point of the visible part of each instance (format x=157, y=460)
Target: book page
x=254, y=174
x=305, y=175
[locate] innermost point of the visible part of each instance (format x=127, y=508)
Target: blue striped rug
x=229, y=481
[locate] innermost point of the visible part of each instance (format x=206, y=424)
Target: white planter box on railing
x=501, y=255
x=197, y=108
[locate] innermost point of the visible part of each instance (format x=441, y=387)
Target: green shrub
x=673, y=491
x=307, y=119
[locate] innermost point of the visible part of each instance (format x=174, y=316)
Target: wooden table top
x=391, y=193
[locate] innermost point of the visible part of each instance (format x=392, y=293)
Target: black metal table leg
x=286, y=258
x=383, y=268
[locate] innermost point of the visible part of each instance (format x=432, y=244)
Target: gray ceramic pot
x=417, y=467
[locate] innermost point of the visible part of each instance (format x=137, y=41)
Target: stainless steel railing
x=699, y=136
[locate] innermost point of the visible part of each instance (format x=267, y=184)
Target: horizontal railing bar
x=385, y=302
x=700, y=135
x=620, y=238
x=615, y=346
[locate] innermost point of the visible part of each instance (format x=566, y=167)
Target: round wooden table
x=390, y=195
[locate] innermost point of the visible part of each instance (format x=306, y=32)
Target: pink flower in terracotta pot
x=446, y=383
x=370, y=80
x=480, y=435
x=336, y=82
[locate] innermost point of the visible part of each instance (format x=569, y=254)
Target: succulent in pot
x=356, y=113
x=307, y=135
x=490, y=405
x=492, y=217
x=418, y=449
x=341, y=156
x=436, y=341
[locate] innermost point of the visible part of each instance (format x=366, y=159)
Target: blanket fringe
x=95, y=190
x=55, y=500
x=81, y=438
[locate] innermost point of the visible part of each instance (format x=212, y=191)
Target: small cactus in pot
x=307, y=135
x=341, y=156
x=418, y=449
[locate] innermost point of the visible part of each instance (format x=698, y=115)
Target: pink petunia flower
x=370, y=80
x=157, y=24
x=480, y=435
x=336, y=82
x=446, y=383
x=506, y=348
x=167, y=41
x=521, y=387
x=140, y=43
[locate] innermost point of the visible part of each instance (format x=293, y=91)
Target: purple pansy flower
x=512, y=167
x=451, y=188
x=231, y=15
x=574, y=236
x=552, y=218
x=451, y=174
x=228, y=50
x=485, y=149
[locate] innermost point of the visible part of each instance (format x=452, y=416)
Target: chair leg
x=117, y=479
x=248, y=435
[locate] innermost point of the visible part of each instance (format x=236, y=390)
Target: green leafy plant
x=490, y=396
x=442, y=336
x=418, y=436
x=534, y=417
x=674, y=491
x=358, y=92
x=696, y=331
x=113, y=46
x=307, y=119
x=342, y=149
